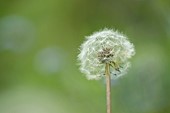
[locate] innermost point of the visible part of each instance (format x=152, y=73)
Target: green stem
x=108, y=87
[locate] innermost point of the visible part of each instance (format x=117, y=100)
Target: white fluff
x=119, y=46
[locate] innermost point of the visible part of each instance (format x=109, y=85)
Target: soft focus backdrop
x=39, y=41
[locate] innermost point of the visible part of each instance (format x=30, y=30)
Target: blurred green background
x=39, y=41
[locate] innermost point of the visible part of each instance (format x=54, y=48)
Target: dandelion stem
x=108, y=88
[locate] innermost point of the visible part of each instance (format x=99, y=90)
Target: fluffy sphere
x=106, y=46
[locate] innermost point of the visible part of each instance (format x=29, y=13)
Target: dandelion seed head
x=106, y=46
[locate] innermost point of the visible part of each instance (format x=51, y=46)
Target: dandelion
x=105, y=47
x=105, y=54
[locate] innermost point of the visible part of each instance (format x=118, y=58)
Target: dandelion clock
x=105, y=54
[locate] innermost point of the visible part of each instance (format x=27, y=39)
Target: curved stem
x=108, y=87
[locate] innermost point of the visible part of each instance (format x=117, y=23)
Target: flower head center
x=106, y=55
